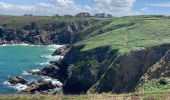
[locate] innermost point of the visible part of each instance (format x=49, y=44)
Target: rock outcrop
x=159, y=69
x=43, y=87
x=61, y=51
x=52, y=33
x=130, y=68
x=17, y=80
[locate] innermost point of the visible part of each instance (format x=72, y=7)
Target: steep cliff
x=118, y=56
x=41, y=31
x=106, y=55
x=104, y=70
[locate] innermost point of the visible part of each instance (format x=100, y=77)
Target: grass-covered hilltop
x=118, y=55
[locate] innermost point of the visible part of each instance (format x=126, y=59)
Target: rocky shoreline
x=49, y=84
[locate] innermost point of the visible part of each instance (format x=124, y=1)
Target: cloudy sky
x=114, y=7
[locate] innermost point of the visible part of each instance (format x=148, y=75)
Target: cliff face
x=33, y=33
x=103, y=70
x=159, y=69
x=80, y=70
x=130, y=69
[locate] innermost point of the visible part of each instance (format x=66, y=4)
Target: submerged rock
x=17, y=80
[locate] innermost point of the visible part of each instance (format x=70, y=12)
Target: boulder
x=51, y=71
x=42, y=87
x=17, y=80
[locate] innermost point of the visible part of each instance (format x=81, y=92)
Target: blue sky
x=114, y=7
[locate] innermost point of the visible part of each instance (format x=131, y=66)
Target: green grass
x=13, y=22
x=130, y=33
x=132, y=96
x=156, y=85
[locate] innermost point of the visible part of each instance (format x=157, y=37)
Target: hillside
x=118, y=55
x=42, y=30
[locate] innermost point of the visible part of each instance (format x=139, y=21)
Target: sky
x=72, y=7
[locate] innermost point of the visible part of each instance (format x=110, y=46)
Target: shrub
x=163, y=81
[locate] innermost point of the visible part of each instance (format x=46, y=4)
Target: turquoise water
x=14, y=60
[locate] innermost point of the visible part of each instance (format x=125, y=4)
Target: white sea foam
x=29, y=73
x=26, y=73
x=35, y=70
x=58, y=57
x=51, y=49
x=22, y=44
x=41, y=64
x=6, y=83
x=18, y=87
x=54, y=47
x=54, y=81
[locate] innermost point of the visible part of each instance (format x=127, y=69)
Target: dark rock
x=61, y=51
x=102, y=70
x=51, y=71
x=56, y=63
x=30, y=26
x=80, y=70
x=133, y=69
x=43, y=87
x=17, y=80
x=52, y=33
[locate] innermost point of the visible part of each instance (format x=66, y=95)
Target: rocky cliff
x=58, y=32
x=104, y=70
x=117, y=55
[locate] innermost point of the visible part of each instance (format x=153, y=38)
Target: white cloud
x=165, y=5
x=144, y=9
x=115, y=7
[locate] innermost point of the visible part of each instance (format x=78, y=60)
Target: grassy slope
x=13, y=22
x=134, y=96
x=156, y=85
x=129, y=33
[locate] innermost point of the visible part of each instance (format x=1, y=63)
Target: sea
x=15, y=60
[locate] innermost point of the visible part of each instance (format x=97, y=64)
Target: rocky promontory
x=102, y=70
x=58, y=32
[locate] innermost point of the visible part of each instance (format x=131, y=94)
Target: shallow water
x=16, y=59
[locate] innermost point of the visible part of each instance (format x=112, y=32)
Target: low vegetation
x=156, y=85
x=134, y=96
x=130, y=33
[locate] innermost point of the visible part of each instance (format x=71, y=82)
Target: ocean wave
x=26, y=73
x=41, y=64
x=35, y=70
x=29, y=72
x=22, y=44
x=52, y=57
x=54, y=47
x=18, y=87
x=54, y=81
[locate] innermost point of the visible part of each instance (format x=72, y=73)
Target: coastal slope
x=118, y=55
x=41, y=30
